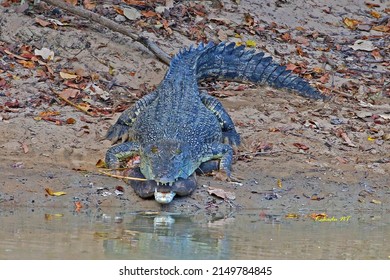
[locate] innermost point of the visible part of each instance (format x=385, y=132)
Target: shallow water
x=65, y=234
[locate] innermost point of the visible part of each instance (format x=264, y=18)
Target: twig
x=160, y=54
x=122, y=177
x=73, y=104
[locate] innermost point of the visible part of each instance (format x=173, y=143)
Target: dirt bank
x=296, y=154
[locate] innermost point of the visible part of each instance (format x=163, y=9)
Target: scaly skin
x=176, y=128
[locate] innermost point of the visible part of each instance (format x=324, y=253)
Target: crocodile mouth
x=163, y=197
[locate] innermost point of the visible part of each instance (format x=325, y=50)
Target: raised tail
x=228, y=62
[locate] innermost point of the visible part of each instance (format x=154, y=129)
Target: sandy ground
x=296, y=154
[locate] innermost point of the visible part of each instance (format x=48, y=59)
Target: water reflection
x=98, y=234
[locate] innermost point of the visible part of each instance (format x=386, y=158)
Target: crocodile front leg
x=229, y=133
x=120, y=152
x=224, y=153
x=122, y=127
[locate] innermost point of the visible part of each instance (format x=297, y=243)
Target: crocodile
x=178, y=129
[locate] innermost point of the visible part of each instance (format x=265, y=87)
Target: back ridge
x=227, y=62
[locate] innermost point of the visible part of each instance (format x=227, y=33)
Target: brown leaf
x=372, y=5
x=42, y=22
x=72, y=2
x=149, y=14
x=24, y=147
x=69, y=93
x=101, y=164
x=325, y=78
x=381, y=28
x=351, y=23
x=221, y=193
x=286, y=37
x=89, y=5
x=375, y=14
x=70, y=121
x=78, y=205
x=301, y=146
x=341, y=133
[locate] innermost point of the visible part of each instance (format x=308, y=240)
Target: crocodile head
x=166, y=161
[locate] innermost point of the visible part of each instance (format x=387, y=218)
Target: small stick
x=122, y=177
x=73, y=104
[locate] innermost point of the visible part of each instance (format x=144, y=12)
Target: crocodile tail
x=228, y=62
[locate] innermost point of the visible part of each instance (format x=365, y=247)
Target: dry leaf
x=381, y=28
x=42, y=22
x=279, y=183
x=100, y=164
x=250, y=43
x=52, y=193
x=376, y=201
x=68, y=76
x=317, y=216
x=24, y=147
x=221, y=193
x=69, y=93
x=45, y=53
x=70, y=121
x=89, y=5
x=301, y=146
x=27, y=64
x=351, y=23
x=291, y=216
x=78, y=205
x=363, y=45
x=131, y=13
x=375, y=14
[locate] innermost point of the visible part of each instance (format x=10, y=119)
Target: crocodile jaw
x=163, y=197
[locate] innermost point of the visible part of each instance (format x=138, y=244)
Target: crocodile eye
x=154, y=150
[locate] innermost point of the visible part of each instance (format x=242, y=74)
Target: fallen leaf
x=341, y=133
x=24, y=147
x=351, y=23
x=131, y=13
x=68, y=76
x=48, y=113
x=250, y=43
x=317, y=216
x=372, y=5
x=279, y=183
x=301, y=146
x=221, y=193
x=42, y=22
x=101, y=164
x=69, y=93
x=363, y=45
x=70, y=121
x=78, y=205
x=381, y=28
x=376, y=201
x=291, y=216
x=52, y=193
x=89, y=5
x=286, y=37
x=376, y=54
x=27, y=64
x=375, y=14
x=325, y=78
x=72, y=2
x=45, y=53
x=149, y=14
